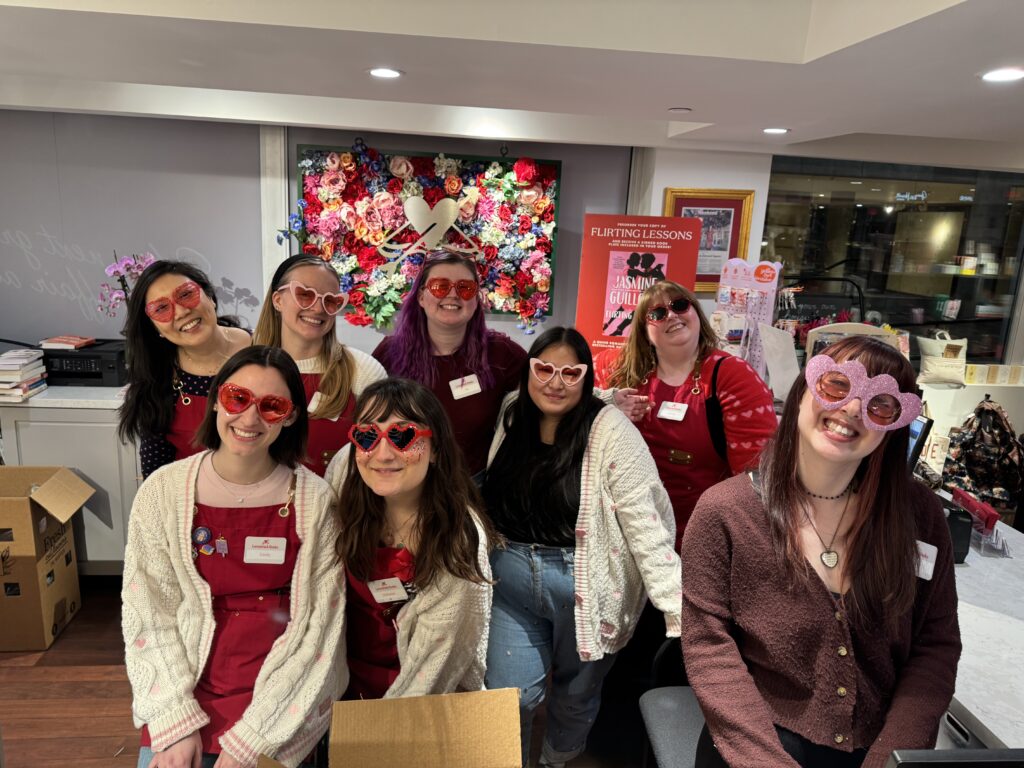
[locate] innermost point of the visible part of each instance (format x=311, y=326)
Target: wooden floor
x=71, y=705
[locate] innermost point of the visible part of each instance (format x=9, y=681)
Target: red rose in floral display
x=313, y=207
x=525, y=224
x=524, y=308
x=395, y=186
x=481, y=180
x=372, y=153
x=368, y=258
x=311, y=248
x=351, y=174
x=432, y=195
x=423, y=166
x=490, y=252
x=452, y=186
x=354, y=191
x=481, y=271
x=543, y=245
x=504, y=213
x=356, y=298
x=522, y=282
x=548, y=215
x=548, y=173
x=526, y=171
x=359, y=317
x=351, y=242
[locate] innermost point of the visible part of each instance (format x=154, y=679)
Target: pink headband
x=867, y=388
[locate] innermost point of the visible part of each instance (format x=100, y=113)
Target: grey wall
x=594, y=179
x=75, y=188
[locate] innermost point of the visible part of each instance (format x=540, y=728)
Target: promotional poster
x=622, y=256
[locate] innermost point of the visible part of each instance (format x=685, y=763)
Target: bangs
x=379, y=409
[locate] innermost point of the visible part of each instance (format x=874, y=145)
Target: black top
x=546, y=516
x=157, y=450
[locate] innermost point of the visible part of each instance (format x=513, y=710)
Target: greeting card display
x=746, y=298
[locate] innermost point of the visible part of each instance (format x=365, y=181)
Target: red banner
x=622, y=256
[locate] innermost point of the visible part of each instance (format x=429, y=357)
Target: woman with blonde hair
x=299, y=316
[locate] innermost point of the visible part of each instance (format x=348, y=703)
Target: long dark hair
x=339, y=369
x=148, y=406
x=448, y=538
x=410, y=353
x=881, y=549
x=290, y=446
x=511, y=477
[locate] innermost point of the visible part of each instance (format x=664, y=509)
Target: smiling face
x=677, y=333
x=188, y=327
x=450, y=311
x=246, y=434
x=301, y=328
x=555, y=399
x=839, y=436
x=394, y=475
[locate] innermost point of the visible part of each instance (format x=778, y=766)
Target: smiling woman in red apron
x=175, y=343
x=299, y=315
x=415, y=549
x=232, y=593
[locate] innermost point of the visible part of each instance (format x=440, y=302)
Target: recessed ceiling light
x=680, y=110
x=856, y=182
x=972, y=189
x=1006, y=75
x=822, y=207
x=386, y=72
x=821, y=194
x=876, y=189
x=776, y=130
x=860, y=205
x=888, y=209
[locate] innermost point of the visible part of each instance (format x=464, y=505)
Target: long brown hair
x=881, y=548
x=335, y=361
x=638, y=358
x=448, y=538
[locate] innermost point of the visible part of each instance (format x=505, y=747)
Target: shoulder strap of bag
x=713, y=409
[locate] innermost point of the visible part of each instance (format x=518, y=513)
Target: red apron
x=326, y=437
x=683, y=452
x=185, y=424
x=251, y=607
x=372, y=635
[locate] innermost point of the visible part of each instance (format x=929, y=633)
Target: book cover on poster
x=623, y=256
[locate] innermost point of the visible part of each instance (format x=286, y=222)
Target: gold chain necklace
x=829, y=558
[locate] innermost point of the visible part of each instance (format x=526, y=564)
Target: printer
x=98, y=365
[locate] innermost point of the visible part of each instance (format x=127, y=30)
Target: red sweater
x=759, y=654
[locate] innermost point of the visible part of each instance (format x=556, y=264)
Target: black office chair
x=671, y=714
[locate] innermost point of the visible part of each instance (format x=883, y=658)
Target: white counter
x=106, y=398
x=989, y=696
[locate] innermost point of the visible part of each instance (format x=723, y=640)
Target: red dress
x=251, y=607
x=372, y=635
x=326, y=436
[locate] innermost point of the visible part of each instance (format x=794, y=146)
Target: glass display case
x=918, y=248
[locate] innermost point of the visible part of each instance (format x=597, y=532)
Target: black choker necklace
x=845, y=491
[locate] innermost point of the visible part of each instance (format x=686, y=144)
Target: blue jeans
x=533, y=632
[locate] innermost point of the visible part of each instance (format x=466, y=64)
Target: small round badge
x=201, y=534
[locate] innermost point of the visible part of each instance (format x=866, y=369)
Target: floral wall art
x=374, y=215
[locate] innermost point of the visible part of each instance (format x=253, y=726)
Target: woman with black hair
x=232, y=598
x=175, y=343
x=415, y=546
x=590, y=529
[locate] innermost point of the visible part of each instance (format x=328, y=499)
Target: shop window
x=918, y=248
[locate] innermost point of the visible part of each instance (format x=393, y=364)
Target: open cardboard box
x=37, y=548
x=479, y=729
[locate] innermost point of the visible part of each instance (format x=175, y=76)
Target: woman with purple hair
x=442, y=342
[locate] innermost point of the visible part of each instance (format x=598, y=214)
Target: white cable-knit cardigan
x=442, y=632
x=168, y=624
x=625, y=533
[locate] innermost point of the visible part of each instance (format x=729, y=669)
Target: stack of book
x=22, y=375
x=66, y=342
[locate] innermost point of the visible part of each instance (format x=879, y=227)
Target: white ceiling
x=861, y=79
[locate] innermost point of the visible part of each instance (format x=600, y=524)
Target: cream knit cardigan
x=625, y=533
x=442, y=631
x=168, y=624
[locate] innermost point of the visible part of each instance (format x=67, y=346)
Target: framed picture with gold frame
x=725, y=226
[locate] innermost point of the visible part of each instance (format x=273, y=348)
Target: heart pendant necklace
x=830, y=558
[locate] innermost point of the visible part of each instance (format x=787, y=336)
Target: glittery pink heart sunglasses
x=883, y=407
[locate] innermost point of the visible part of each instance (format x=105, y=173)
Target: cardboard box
x=37, y=547
x=479, y=729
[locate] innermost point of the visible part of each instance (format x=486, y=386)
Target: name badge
x=265, y=550
x=465, y=386
x=314, y=402
x=387, y=590
x=672, y=410
x=927, y=554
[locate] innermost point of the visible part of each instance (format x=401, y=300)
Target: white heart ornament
x=431, y=223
